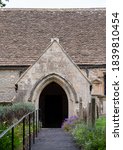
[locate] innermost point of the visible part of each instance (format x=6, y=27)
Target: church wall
x=7, y=81
x=8, y=77
x=54, y=60
x=96, y=76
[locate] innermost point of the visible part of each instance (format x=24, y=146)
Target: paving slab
x=54, y=139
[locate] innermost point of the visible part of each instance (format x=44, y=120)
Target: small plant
x=70, y=123
x=20, y=109
x=101, y=122
x=8, y=114
x=6, y=140
x=2, y=127
x=91, y=138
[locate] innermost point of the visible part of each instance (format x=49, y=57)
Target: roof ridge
x=52, y=9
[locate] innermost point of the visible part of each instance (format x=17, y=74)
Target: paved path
x=54, y=139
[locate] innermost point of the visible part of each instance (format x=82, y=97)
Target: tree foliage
x=2, y=4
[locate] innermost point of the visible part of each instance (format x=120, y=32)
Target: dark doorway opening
x=53, y=104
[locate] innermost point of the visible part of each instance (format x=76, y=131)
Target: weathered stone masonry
x=75, y=66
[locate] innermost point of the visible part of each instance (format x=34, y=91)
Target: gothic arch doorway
x=53, y=103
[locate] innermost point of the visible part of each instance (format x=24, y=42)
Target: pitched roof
x=25, y=34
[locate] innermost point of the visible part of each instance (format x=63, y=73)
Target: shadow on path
x=54, y=139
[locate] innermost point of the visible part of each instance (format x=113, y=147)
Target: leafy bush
x=70, y=123
x=91, y=138
x=2, y=127
x=6, y=142
x=5, y=114
x=87, y=137
x=20, y=109
x=8, y=115
x=14, y=112
x=101, y=122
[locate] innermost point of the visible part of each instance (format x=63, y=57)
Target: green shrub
x=6, y=142
x=78, y=132
x=69, y=123
x=2, y=127
x=91, y=138
x=20, y=109
x=8, y=114
x=100, y=122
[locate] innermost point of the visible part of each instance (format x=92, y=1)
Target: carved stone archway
x=66, y=86
x=54, y=65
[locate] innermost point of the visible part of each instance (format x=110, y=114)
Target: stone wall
x=8, y=77
x=55, y=66
x=96, y=76
x=7, y=81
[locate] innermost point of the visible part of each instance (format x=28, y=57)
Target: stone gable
x=56, y=66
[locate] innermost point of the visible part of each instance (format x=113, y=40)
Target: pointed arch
x=53, y=104
x=65, y=85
